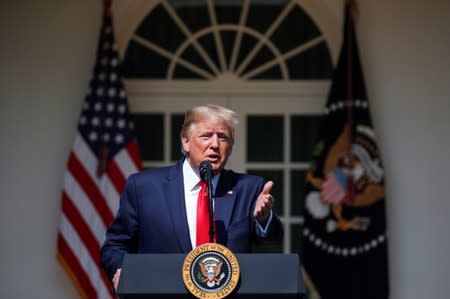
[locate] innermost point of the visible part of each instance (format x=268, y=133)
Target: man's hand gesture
x=264, y=203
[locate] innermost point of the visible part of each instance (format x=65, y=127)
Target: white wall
x=405, y=48
x=46, y=57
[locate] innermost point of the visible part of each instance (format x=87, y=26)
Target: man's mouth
x=214, y=158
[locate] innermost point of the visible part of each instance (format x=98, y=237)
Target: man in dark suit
x=158, y=208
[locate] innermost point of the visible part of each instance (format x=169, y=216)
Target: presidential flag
x=103, y=155
x=344, y=238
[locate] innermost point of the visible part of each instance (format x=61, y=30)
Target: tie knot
x=202, y=184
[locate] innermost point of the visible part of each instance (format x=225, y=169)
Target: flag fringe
x=313, y=293
x=62, y=261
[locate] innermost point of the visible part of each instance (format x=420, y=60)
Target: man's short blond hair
x=208, y=113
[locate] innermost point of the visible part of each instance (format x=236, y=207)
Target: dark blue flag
x=344, y=239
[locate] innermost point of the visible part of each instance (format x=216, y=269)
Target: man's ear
x=185, y=144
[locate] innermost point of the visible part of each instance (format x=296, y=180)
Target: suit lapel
x=224, y=201
x=177, y=206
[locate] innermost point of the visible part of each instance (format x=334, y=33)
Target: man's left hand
x=264, y=204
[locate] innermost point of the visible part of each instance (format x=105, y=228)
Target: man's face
x=209, y=141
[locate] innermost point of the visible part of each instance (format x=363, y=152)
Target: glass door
x=275, y=140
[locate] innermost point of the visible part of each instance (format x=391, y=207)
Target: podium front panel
x=160, y=276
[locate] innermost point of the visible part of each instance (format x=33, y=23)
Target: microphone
x=206, y=176
x=205, y=171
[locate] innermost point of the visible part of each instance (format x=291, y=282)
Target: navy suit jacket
x=152, y=215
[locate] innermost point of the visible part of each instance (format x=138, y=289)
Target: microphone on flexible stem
x=206, y=176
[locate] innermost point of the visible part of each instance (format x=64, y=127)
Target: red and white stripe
x=89, y=204
x=332, y=191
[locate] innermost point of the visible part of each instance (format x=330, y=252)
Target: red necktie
x=203, y=216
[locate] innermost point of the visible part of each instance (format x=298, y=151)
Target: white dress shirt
x=191, y=180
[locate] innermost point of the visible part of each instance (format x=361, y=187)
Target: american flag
x=103, y=155
x=337, y=187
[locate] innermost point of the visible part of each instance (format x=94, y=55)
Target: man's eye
x=224, y=138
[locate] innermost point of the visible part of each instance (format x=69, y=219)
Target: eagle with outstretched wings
x=210, y=272
x=362, y=166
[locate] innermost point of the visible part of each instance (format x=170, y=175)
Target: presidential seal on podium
x=211, y=271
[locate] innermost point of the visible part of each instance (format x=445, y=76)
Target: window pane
x=160, y=28
x=176, y=121
x=181, y=72
x=314, y=63
x=262, y=14
x=228, y=39
x=247, y=44
x=297, y=187
x=277, y=190
x=208, y=43
x=263, y=56
x=149, y=130
x=304, y=133
x=296, y=29
x=194, y=14
x=265, y=138
x=192, y=55
x=140, y=62
x=271, y=73
x=228, y=12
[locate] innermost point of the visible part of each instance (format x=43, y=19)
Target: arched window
x=249, y=40
x=269, y=60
